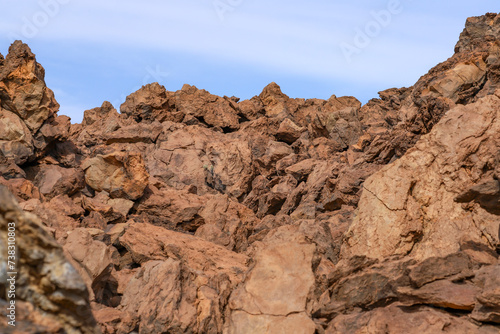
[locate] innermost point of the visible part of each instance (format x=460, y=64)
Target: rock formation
x=192, y=213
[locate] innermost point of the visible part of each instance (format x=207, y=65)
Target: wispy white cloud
x=283, y=43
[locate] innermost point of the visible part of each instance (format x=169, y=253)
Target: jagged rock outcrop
x=274, y=296
x=192, y=213
x=28, y=108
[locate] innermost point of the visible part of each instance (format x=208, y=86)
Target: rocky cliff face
x=194, y=213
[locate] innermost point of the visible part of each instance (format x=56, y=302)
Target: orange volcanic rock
x=193, y=213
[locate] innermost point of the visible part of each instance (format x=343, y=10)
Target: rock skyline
x=188, y=212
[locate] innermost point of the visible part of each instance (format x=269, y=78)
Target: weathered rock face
x=439, y=195
x=193, y=213
x=274, y=296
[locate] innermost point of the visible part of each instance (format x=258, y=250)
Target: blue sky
x=104, y=50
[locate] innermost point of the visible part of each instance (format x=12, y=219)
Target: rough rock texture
x=120, y=174
x=274, y=295
x=28, y=108
x=193, y=213
x=50, y=295
x=415, y=206
x=183, y=283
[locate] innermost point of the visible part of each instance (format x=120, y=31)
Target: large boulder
x=16, y=141
x=121, y=174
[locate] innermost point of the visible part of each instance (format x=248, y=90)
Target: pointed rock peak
x=106, y=107
x=20, y=55
x=272, y=90
x=479, y=31
x=23, y=89
x=18, y=49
